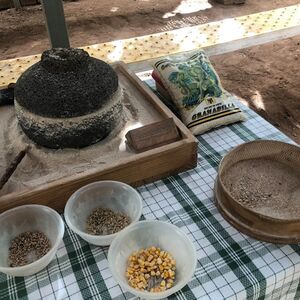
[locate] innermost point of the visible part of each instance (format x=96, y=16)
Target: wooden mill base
x=134, y=169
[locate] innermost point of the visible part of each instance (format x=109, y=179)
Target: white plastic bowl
x=145, y=234
x=115, y=195
x=29, y=218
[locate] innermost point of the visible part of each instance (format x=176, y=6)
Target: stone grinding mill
x=68, y=99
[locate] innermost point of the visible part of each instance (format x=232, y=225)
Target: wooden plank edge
x=149, y=155
x=56, y=195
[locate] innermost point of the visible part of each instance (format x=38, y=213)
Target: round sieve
x=257, y=190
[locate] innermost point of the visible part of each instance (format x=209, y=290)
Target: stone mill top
x=66, y=83
x=68, y=99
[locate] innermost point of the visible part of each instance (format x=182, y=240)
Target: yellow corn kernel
x=150, y=257
x=140, y=285
x=152, y=263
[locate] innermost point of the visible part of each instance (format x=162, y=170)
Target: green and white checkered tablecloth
x=230, y=264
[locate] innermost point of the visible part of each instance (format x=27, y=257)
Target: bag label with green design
x=194, y=87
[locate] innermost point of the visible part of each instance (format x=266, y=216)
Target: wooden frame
x=136, y=170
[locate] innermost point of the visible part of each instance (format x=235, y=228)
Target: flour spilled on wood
x=42, y=165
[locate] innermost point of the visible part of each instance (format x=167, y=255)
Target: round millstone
x=74, y=132
x=68, y=99
x=66, y=83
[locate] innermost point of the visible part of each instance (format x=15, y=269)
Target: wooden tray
x=269, y=224
x=135, y=170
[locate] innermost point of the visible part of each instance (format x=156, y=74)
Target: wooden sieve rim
x=222, y=167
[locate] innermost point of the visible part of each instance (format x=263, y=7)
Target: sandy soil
x=267, y=77
x=92, y=21
x=266, y=74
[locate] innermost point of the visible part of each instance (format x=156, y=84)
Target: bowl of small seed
x=30, y=236
x=99, y=211
x=152, y=259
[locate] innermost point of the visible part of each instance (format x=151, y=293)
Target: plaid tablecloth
x=230, y=264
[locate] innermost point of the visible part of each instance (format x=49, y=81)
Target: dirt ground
x=266, y=76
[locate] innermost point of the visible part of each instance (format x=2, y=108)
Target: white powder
x=42, y=165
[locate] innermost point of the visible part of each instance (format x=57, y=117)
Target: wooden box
x=136, y=169
x=230, y=2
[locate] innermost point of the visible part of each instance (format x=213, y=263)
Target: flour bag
x=194, y=87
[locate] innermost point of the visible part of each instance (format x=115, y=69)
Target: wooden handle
x=12, y=167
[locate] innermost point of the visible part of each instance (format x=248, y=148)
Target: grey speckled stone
x=68, y=99
x=79, y=134
x=66, y=83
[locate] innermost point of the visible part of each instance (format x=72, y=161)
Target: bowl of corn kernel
x=152, y=259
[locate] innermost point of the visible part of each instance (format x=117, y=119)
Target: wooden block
x=29, y=2
x=5, y=4
x=153, y=135
x=7, y=95
x=228, y=2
